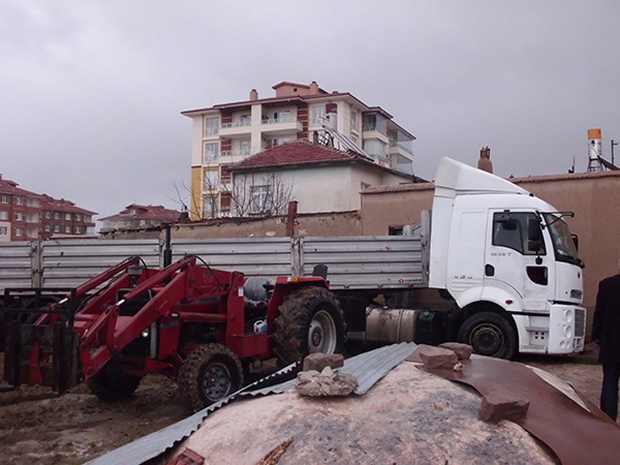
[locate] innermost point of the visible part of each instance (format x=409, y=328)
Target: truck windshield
x=565, y=250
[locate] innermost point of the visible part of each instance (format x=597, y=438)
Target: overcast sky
x=91, y=91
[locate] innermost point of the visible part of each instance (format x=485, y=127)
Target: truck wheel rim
x=322, y=333
x=217, y=381
x=486, y=339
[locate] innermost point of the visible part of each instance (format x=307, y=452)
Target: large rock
x=319, y=361
x=410, y=416
x=462, y=351
x=501, y=404
x=436, y=357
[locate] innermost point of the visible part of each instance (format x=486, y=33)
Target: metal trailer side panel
x=69, y=263
x=268, y=257
x=17, y=264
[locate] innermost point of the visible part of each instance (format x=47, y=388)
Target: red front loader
x=193, y=323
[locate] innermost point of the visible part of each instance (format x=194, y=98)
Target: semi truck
x=491, y=265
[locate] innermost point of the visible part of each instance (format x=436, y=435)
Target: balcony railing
x=235, y=125
x=287, y=119
x=407, y=146
x=235, y=152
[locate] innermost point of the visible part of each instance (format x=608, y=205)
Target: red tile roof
x=143, y=212
x=62, y=205
x=296, y=153
x=10, y=187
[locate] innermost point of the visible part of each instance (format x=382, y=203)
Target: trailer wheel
x=489, y=334
x=210, y=373
x=310, y=321
x=111, y=384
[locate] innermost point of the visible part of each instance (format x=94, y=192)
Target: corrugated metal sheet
x=16, y=265
x=70, y=263
x=268, y=257
x=365, y=262
x=368, y=368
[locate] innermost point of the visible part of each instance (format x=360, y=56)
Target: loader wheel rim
x=322, y=336
x=487, y=339
x=217, y=381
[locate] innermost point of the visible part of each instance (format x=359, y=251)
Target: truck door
x=517, y=258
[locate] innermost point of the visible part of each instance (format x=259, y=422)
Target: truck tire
x=209, y=374
x=111, y=384
x=489, y=334
x=310, y=321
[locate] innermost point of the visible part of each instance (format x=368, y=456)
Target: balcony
x=232, y=130
x=283, y=125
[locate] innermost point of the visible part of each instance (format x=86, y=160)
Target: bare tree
x=259, y=194
x=196, y=207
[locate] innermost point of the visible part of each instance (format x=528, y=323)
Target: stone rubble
x=318, y=361
x=462, y=351
x=326, y=383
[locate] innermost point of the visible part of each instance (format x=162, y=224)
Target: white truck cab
x=509, y=261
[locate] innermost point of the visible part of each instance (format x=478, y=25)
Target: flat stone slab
x=436, y=357
x=462, y=351
x=502, y=404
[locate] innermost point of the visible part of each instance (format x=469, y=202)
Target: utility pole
x=612, y=151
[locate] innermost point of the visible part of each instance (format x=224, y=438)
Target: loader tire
x=209, y=374
x=310, y=321
x=111, y=384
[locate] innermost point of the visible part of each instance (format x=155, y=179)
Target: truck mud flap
x=41, y=354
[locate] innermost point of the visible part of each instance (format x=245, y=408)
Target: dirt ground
x=77, y=427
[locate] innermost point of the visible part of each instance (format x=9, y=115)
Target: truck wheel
x=310, y=321
x=210, y=373
x=111, y=383
x=489, y=334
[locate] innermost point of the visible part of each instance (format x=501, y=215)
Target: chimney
x=253, y=95
x=314, y=88
x=485, y=163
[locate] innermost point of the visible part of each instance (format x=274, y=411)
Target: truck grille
x=580, y=323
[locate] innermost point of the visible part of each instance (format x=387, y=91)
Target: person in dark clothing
x=606, y=334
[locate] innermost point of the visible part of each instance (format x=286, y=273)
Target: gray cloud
x=91, y=91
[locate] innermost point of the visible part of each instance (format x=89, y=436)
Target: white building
x=320, y=179
x=228, y=133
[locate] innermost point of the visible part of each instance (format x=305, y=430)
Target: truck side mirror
x=533, y=232
x=534, y=246
x=575, y=241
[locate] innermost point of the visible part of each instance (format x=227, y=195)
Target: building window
x=245, y=147
x=142, y=222
x=19, y=216
x=318, y=115
x=212, y=125
x=78, y=218
x=260, y=200
x=211, y=150
x=281, y=141
x=56, y=228
x=68, y=216
x=3, y=231
x=395, y=230
x=210, y=206
x=375, y=122
x=211, y=179
x=354, y=120
x=78, y=230
x=86, y=219
x=19, y=200
x=29, y=217
x=19, y=232
x=56, y=216
x=4, y=199
x=364, y=185
x=376, y=148
x=48, y=215
x=246, y=120
x=68, y=229
x=47, y=228
x=282, y=116
x=4, y=215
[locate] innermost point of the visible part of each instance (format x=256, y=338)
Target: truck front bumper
x=567, y=329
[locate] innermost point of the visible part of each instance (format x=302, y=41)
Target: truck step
x=538, y=329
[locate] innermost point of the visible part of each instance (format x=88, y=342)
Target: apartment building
x=28, y=216
x=136, y=216
x=227, y=133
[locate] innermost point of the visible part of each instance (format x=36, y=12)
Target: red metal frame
x=182, y=293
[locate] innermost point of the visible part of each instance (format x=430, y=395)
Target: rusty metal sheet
x=576, y=435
